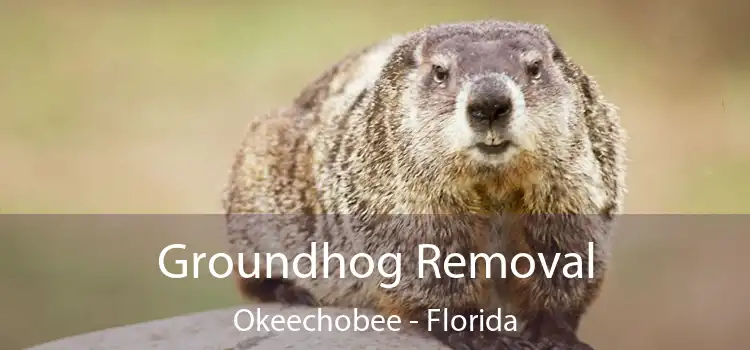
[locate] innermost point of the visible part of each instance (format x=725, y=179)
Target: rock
x=215, y=330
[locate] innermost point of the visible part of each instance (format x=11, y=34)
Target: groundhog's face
x=487, y=93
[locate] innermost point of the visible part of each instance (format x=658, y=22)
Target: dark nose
x=490, y=101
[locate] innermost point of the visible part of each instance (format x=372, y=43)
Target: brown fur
x=366, y=142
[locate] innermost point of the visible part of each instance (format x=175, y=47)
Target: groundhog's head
x=485, y=92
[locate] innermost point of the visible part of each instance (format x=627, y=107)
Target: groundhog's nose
x=490, y=101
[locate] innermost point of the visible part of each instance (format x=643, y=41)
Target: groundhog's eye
x=534, y=69
x=439, y=73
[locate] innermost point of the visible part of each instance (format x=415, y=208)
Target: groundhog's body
x=359, y=142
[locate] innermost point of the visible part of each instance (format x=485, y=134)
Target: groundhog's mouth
x=494, y=149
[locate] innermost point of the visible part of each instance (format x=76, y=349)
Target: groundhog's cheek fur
x=549, y=127
x=433, y=137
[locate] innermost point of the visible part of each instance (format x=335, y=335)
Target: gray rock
x=215, y=330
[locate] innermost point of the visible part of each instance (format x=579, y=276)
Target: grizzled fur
x=378, y=134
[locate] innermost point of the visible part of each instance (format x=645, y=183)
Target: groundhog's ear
x=557, y=53
x=418, y=50
x=570, y=69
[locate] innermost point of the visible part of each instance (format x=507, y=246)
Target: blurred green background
x=137, y=107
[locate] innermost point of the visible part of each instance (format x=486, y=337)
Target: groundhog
x=476, y=137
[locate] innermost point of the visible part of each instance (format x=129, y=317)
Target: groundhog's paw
x=278, y=290
x=293, y=295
